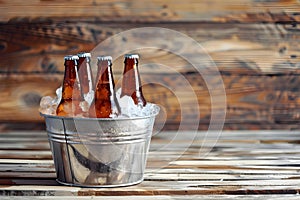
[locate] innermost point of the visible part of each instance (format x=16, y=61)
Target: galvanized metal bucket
x=100, y=152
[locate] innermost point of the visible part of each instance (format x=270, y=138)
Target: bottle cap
x=104, y=58
x=71, y=57
x=84, y=54
x=132, y=56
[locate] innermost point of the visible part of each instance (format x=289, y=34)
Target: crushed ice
x=49, y=104
x=89, y=97
x=129, y=109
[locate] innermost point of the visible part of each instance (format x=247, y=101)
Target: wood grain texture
x=21, y=95
x=250, y=99
x=162, y=197
x=241, y=165
x=156, y=10
x=258, y=64
x=253, y=44
x=235, y=48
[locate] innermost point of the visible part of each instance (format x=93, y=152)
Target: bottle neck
x=131, y=83
x=130, y=63
x=85, y=74
x=104, y=71
x=105, y=84
x=71, y=85
x=70, y=70
x=81, y=61
x=131, y=78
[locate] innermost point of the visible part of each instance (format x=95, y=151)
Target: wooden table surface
x=181, y=165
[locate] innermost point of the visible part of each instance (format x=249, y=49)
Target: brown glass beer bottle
x=131, y=83
x=105, y=104
x=85, y=73
x=71, y=91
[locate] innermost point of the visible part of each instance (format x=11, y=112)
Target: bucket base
x=99, y=186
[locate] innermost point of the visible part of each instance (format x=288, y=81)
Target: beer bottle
x=85, y=74
x=131, y=83
x=71, y=91
x=105, y=104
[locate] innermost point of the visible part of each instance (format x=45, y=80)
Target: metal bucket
x=100, y=152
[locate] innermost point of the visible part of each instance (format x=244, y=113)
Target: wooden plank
x=20, y=134
x=22, y=94
x=125, y=10
x=163, y=177
x=25, y=154
x=240, y=101
x=20, y=181
x=236, y=162
x=168, y=197
x=27, y=145
x=211, y=177
x=224, y=135
x=9, y=126
x=220, y=171
x=254, y=99
x=181, y=188
x=160, y=189
x=14, y=140
x=235, y=48
x=28, y=175
x=238, y=165
x=228, y=155
x=21, y=168
x=25, y=161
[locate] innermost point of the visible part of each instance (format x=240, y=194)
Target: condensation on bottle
x=131, y=82
x=85, y=73
x=105, y=104
x=71, y=90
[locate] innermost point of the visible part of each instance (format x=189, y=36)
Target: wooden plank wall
x=255, y=45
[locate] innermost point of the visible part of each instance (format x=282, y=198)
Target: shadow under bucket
x=97, y=152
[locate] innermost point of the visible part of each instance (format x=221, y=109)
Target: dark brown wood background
x=255, y=45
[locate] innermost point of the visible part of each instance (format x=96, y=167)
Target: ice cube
x=129, y=109
x=46, y=101
x=89, y=97
x=47, y=105
x=84, y=105
x=58, y=94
